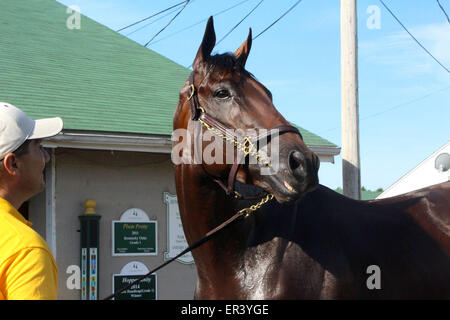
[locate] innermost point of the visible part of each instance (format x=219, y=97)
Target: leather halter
x=199, y=114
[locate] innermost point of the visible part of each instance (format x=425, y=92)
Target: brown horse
x=311, y=242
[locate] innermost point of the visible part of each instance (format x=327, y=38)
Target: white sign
x=134, y=214
x=176, y=241
x=134, y=268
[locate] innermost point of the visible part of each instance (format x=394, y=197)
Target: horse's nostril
x=296, y=161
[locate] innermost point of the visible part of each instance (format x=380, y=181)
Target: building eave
x=110, y=141
x=140, y=143
x=326, y=153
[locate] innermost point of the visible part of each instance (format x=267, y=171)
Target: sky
x=404, y=95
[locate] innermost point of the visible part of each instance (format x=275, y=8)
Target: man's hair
x=23, y=149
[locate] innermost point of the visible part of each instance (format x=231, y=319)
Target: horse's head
x=220, y=95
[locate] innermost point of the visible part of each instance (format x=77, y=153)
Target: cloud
x=400, y=51
x=437, y=38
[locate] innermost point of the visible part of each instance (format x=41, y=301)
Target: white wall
x=421, y=176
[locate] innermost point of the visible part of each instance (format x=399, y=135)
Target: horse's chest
x=280, y=270
x=256, y=278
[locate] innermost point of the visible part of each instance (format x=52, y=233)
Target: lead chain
x=247, y=147
x=253, y=208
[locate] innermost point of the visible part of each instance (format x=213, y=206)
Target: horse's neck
x=326, y=227
x=204, y=206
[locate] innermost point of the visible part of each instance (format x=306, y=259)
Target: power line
x=153, y=15
x=171, y=20
x=443, y=10
x=267, y=28
x=199, y=22
x=151, y=22
x=236, y=25
x=295, y=4
x=403, y=104
x=428, y=52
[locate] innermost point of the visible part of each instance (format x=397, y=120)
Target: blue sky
x=404, y=95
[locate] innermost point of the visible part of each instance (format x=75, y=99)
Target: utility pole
x=351, y=175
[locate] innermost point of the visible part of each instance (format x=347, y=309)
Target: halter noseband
x=247, y=147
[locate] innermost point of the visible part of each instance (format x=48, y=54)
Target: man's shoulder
x=16, y=236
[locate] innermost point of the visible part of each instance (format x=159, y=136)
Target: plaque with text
x=134, y=236
x=146, y=289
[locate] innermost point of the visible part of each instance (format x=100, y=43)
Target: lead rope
x=241, y=214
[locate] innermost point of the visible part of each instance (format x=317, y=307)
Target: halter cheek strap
x=193, y=98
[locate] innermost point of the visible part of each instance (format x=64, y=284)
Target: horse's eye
x=222, y=94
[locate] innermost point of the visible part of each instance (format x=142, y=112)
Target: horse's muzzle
x=297, y=175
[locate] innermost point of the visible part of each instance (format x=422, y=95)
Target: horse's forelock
x=229, y=62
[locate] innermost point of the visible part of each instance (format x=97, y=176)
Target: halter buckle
x=192, y=91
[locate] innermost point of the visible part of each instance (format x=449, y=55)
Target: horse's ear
x=208, y=43
x=242, y=53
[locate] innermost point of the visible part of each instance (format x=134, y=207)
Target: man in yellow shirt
x=27, y=267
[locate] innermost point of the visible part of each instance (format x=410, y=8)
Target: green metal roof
x=93, y=78
x=312, y=139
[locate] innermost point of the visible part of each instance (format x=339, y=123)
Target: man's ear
x=207, y=45
x=9, y=164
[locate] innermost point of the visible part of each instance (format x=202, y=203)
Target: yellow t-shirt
x=27, y=268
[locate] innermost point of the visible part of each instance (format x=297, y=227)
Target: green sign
x=134, y=238
x=143, y=290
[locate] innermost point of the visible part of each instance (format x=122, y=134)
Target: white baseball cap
x=16, y=127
